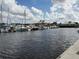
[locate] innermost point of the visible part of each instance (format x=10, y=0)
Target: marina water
x=42, y=44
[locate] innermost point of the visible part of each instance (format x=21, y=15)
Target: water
x=46, y=44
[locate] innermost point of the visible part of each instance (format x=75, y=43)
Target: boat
x=29, y=29
x=4, y=28
x=12, y=29
x=53, y=27
x=20, y=28
x=34, y=29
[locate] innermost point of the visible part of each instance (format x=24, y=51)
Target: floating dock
x=71, y=53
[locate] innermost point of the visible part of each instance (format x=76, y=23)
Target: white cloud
x=61, y=10
x=16, y=10
x=65, y=10
x=36, y=11
x=38, y=14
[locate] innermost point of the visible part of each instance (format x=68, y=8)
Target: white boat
x=4, y=30
x=20, y=28
x=29, y=29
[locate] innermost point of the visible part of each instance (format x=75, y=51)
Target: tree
x=76, y=23
x=55, y=23
x=69, y=22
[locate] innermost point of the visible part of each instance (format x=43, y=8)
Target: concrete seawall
x=71, y=53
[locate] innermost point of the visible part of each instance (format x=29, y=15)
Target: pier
x=71, y=53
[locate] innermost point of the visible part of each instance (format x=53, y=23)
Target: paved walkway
x=71, y=53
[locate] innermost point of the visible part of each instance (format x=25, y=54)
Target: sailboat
x=22, y=28
x=2, y=27
x=5, y=27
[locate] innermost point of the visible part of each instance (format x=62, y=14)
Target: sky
x=40, y=4
x=33, y=11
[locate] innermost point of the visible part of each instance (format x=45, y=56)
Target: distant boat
x=29, y=29
x=4, y=28
x=53, y=27
x=32, y=28
x=20, y=28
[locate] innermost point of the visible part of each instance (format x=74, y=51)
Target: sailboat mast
x=1, y=11
x=8, y=16
x=25, y=16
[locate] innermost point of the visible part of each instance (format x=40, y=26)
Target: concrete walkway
x=71, y=53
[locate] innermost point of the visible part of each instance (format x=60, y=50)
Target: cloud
x=61, y=10
x=57, y=1
x=36, y=11
x=38, y=14
x=13, y=8
x=16, y=10
x=65, y=10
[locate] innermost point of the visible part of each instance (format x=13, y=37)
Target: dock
x=71, y=53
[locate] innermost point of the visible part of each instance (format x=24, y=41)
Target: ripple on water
x=47, y=44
